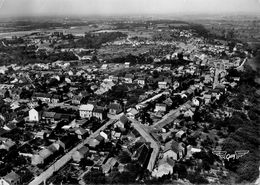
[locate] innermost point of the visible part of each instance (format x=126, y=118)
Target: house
x=174, y=150
x=115, y=135
x=93, y=143
x=207, y=98
x=168, y=101
x=180, y=134
x=129, y=78
x=191, y=150
x=104, y=135
x=132, y=113
x=141, y=82
x=195, y=102
x=41, y=156
x=85, y=111
x=11, y=178
x=76, y=100
x=188, y=114
x=46, y=98
x=35, y=114
x=48, y=117
x=99, y=112
x=165, y=167
x=108, y=166
x=162, y=85
x=115, y=108
x=127, y=64
x=123, y=120
x=6, y=144
x=56, y=99
x=82, y=133
x=80, y=154
x=68, y=141
x=104, y=67
x=160, y=107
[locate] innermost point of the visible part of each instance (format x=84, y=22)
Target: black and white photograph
x=139, y=92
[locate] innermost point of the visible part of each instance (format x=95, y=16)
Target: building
x=85, y=111
x=76, y=100
x=11, y=178
x=160, y=107
x=35, y=114
x=99, y=112
x=108, y=166
x=162, y=85
x=141, y=82
x=165, y=167
x=123, y=120
x=115, y=108
x=46, y=98
x=174, y=150
x=48, y=117
x=80, y=154
x=55, y=99
x=132, y=113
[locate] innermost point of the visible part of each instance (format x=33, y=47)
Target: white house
x=141, y=81
x=162, y=85
x=85, y=111
x=160, y=107
x=35, y=114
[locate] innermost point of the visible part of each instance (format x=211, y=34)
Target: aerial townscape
x=129, y=100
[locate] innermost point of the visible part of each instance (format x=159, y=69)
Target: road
x=62, y=161
x=151, y=99
x=149, y=139
x=241, y=65
x=168, y=118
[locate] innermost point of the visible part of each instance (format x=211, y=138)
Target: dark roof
x=115, y=106
x=69, y=140
x=99, y=109
x=83, y=150
x=55, y=96
x=48, y=114
x=2, y=131
x=129, y=76
x=142, y=153
x=38, y=109
x=123, y=119
x=42, y=95
x=79, y=98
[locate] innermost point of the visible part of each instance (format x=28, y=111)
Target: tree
x=95, y=177
x=124, y=157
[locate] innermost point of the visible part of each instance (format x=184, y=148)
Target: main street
x=170, y=117
x=137, y=125
x=62, y=161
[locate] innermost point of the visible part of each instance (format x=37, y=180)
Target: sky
x=128, y=7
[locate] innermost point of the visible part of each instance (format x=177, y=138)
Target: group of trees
x=94, y=41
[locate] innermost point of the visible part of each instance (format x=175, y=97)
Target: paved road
x=170, y=117
x=151, y=99
x=137, y=125
x=62, y=161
